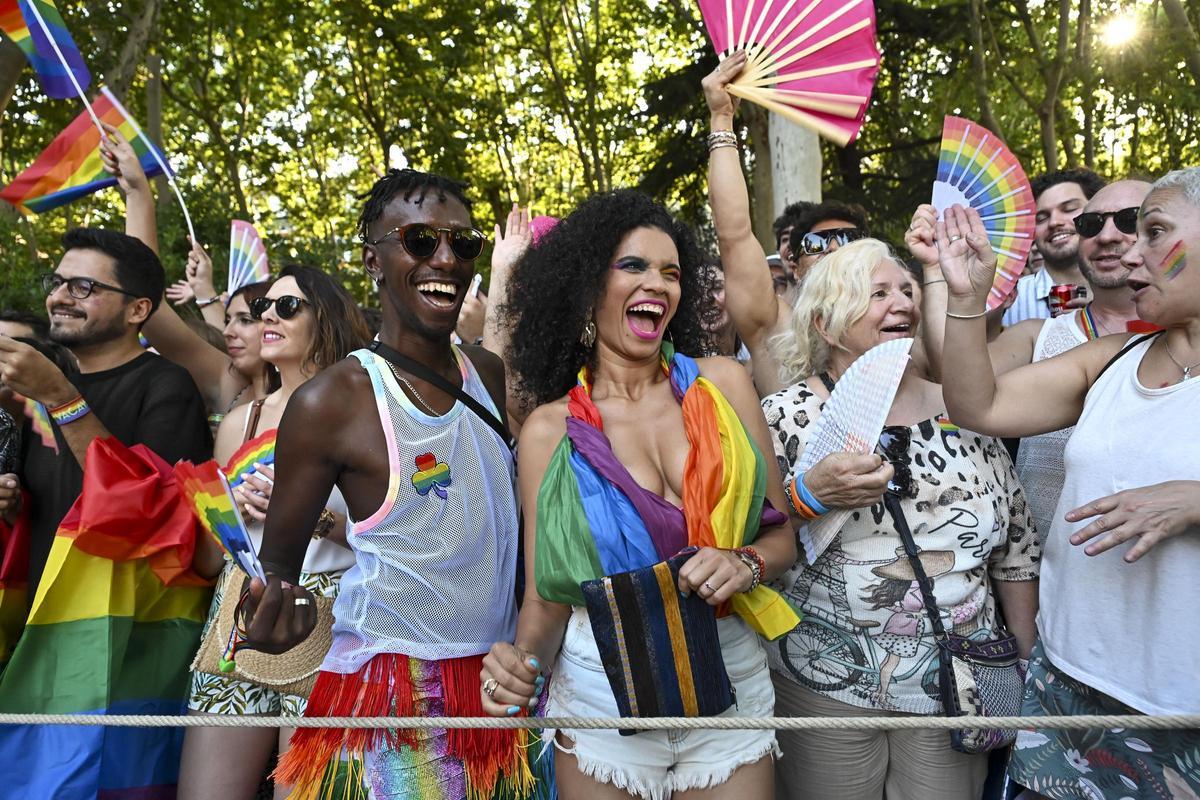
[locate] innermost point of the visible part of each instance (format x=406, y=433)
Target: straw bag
x=293, y=672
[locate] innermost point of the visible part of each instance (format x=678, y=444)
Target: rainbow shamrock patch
x=431, y=474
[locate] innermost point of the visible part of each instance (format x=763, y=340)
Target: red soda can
x=1059, y=296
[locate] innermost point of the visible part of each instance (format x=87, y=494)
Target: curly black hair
x=555, y=287
x=408, y=182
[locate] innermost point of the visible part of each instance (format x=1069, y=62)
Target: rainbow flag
x=259, y=450
x=113, y=629
x=38, y=29
x=71, y=168
x=247, y=256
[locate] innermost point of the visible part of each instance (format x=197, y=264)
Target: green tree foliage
x=282, y=113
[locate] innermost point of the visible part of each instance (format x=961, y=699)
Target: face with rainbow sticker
x=1162, y=273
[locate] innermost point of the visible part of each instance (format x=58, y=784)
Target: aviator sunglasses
x=421, y=240
x=1090, y=223
x=817, y=242
x=286, y=307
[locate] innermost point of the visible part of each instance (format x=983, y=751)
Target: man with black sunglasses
x=101, y=293
x=411, y=432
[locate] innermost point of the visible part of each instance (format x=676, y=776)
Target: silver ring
x=490, y=686
x=301, y=601
x=709, y=586
x=955, y=238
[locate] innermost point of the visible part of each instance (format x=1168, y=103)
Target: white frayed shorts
x=653, y=764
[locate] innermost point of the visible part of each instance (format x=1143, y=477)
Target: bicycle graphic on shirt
x=822, y=656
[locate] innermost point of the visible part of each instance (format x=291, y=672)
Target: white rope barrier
x=1083, y=722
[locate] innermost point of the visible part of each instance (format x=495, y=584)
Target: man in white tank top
x=429, y=485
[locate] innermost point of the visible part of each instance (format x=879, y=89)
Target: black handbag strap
x=426, y=374
x=891, y=502
x=1132, y=343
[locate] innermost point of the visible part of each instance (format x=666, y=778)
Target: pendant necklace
x=1187, y=371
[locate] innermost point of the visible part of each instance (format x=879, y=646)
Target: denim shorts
x=653, y=764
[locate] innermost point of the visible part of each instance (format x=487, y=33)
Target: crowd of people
x=579, y=492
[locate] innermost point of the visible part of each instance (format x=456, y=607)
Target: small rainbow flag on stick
x=38, y=29
x=247, y=256
x=71, y=168
x=207, y=492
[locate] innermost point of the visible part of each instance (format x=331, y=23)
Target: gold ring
x=490, y=686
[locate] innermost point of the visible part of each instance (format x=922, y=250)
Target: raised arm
x=1037, y=398
x=511, y=243
x=208, y=366
x=749, y=292
x=1011, y=349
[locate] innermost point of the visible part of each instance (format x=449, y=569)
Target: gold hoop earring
x=588, y=338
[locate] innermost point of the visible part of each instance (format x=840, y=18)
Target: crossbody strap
x=891, y=502
x=1134, y=342
x=426, y=374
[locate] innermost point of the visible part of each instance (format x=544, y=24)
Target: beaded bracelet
x=803, y=501
x=70, y=411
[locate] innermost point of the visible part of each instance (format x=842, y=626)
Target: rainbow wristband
x=803, y=501
x=70, y=411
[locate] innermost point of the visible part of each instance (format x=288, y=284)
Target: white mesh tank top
x=435, y=566
x=1040, y=458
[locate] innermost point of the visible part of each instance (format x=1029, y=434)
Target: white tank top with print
x=435, y=565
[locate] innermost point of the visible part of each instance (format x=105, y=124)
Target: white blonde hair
x=836, y=292
x=1187, y=181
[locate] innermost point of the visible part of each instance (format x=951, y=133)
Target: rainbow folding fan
x=976, y=169
x=259, y=450
x=207, y=491
x=247, y=256
x=852, y=423
x=811, y=61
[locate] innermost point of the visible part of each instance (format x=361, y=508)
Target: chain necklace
x=1187, y=371
x=413, y=390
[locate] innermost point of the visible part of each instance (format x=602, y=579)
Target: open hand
x=180, y=293
x=720, y=102
x=966, y=256
x=511, y=680
x=1149, y=514
x=512, y=242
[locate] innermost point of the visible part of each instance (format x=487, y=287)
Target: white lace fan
x=812, y=61
x=852, y=423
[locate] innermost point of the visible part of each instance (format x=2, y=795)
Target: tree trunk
x=979, y=75
x=795, y=163
x=133, y=51
x=1177, y=14
x=1047, y=118
x=762, y=179
x=154, y=122
x=12, y=64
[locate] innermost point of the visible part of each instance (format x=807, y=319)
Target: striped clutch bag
x=659, y=649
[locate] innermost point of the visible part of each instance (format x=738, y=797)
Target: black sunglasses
x=79, y=288
x=817, y=242
x=421, y=240
x=1090, y=223
x=894, y=442
x=286, y=307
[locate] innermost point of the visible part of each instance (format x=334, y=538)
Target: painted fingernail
x=257, y=465
x=512, y=710
x=533, y=701
x=533, y=662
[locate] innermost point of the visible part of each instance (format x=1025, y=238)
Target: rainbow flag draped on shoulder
x=71, y=168
x=594, y=520
x=112, y=630
x=38, y=29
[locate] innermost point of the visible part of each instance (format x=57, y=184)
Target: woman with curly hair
x=622, y=467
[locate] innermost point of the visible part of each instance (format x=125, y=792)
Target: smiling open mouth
x=439, y=293
x=645, y=318
x=903, y=327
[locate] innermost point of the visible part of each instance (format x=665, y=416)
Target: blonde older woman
x=865, y=646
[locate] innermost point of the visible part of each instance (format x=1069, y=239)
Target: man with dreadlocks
x=411, y=430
